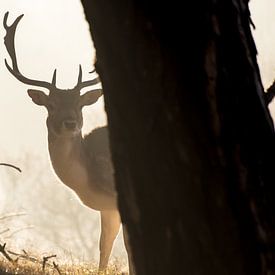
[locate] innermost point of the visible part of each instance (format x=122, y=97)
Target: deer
x=83, y=163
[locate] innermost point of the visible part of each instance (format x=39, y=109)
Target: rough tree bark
x=191, y=137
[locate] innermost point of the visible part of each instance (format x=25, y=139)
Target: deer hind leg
x=129, y=252
x=110, y=224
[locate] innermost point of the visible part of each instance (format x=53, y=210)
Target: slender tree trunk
x=191, y=138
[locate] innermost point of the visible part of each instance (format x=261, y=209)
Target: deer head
x=64, y=106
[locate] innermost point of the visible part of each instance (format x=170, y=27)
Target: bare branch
x=92, y=71
x=19, y=230
x=57, y=268
x=5, y=253
x=12, y=166
x=27, y=257
x=4, y=231
x=24, y=256
x=45, y=259
x=11, y=215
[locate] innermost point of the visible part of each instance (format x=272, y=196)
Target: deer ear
x=38, y=97
x=90, y=97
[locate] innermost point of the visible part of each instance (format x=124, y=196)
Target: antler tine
x=9, y=43
x=89, y=83
x=80, y=85
x=10, y=34
x=79, y=75
x=54, y=78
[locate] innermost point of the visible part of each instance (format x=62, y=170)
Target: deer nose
x=69, y=124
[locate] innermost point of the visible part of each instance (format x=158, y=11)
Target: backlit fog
x=54, y=34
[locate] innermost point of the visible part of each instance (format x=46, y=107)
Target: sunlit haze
x=263, y=17
x=54, y=34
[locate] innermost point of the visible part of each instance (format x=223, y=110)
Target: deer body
x=72, y=164
x=82, y=163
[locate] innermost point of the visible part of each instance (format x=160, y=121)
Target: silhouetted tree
x=191, y=136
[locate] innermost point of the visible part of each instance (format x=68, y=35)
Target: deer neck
x=68, y=159
x=65, y=149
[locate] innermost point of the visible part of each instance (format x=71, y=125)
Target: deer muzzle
x=70, y=125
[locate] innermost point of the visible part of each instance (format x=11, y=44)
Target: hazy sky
x=52, y=34
x=263, y=17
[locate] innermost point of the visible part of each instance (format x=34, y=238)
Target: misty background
x=49, y=217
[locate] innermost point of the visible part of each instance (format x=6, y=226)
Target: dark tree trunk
x=191, y=138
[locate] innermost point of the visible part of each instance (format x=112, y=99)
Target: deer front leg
x=110, y=224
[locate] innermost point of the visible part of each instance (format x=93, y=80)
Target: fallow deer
x=83, y=164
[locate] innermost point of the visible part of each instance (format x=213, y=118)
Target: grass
x=25, y=264
x=30, y=268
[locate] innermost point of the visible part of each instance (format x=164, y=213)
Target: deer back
x=97, y=146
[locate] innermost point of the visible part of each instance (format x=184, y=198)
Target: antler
x=14, y=70
x=80, y=85
x=9, y=43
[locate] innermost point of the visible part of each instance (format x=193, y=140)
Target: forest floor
x=24, y=264
x=31, y=268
